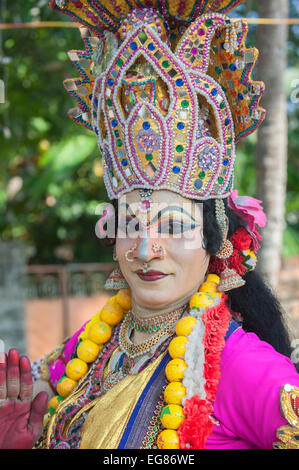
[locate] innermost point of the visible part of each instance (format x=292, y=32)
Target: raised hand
x=21, y=416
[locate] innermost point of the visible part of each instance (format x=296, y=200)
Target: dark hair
x=261, y=311
x=255, y=302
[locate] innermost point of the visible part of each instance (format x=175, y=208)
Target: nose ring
x=129, y=252
x=155, y=249
x=145, y=267
x=158, y=249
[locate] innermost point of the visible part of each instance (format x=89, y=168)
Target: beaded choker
x=134, y=350
x=155, y=323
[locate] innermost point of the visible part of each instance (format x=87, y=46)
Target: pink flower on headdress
x=251, y=212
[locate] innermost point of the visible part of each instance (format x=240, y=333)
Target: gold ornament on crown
x=167, y=88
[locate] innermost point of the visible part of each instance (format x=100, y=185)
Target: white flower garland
x=194, y=380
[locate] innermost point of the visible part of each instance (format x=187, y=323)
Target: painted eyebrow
x=173, y=208
x=162, y=211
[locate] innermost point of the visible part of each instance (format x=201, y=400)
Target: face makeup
x=174, y=224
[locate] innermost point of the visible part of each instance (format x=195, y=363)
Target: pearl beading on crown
x=168, y=103
x=174, y=156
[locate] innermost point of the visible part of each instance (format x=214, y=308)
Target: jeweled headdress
x=167, y=88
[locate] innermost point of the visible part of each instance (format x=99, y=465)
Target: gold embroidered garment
x=105, y=424
x=127, y=413
x=289, y=402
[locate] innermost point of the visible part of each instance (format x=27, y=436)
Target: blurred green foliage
x=49, y=187
x=50, y=179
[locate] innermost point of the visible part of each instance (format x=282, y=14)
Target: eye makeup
x=173, y=226
x=171, y=214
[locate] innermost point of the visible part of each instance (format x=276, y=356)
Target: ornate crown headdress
x=167, y=88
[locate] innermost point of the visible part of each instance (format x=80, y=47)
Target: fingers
x=13, y=374
x=15, y=377
x=3, y=367
x=39, y=408
x=26, y=385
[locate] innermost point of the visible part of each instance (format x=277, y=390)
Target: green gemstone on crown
x=142, y=36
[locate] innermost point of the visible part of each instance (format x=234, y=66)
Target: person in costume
x=191, y=350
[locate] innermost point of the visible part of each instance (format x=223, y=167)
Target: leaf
x=59, y=162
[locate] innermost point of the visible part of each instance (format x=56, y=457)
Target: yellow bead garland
x=172, y=415
x=96, y=333
x=99, y=330
x=76, y=368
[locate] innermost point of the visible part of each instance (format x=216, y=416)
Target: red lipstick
x=150, y=275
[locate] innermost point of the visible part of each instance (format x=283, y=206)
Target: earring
x=229, y=278
x=116, y=280
x=114, y=254
x=226, y=250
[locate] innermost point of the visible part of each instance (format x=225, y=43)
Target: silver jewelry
x=146, y=202
x=145, y=267
x=221, y=216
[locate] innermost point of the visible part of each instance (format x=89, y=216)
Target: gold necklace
x=155, y=323
x=134, y=350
